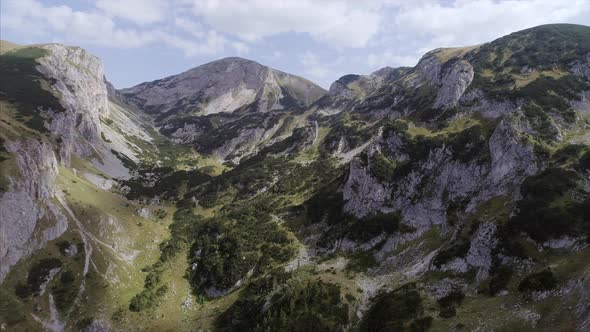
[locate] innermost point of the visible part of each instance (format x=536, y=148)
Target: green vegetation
x=12, y=311
x=364, y=229
x=355, y=134
x=540, y=281
x=399, y=310
x=284, y=302
x=163, y=182
x=467, y=143
x=148, y=298
x=546, y=212
x=382, y=168
x=37, y=276
x=23, y=85
x=449, y=303
x=499, y=278
x=457, y=250
x=361, y=261
x=243, y=238
x=64, y=291
x=541, y=48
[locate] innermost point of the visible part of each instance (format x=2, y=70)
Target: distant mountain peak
x=224, y=85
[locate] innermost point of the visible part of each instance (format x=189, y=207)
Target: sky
x=321, y=40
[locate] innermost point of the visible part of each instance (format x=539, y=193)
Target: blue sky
x=143, y=40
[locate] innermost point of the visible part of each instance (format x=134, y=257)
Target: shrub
x=394, y=311
x=148, y=298
x=361, y=261
x=363, y=229
x=38, y=275
x=291, y=304
x=499, y=279
x=382, y=168
x=449, y=303
x=234, y=242
x=22, y=84
x=541, y=281
x=447, y=312
x=458, y=250
x=538, y=216
x=421, y=324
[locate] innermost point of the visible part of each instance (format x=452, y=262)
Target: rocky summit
x=449, y=196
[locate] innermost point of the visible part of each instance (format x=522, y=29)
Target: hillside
x=454, y=195
x=228, y=108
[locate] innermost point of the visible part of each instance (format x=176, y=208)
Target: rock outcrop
x=78, y=78
x=224, y=86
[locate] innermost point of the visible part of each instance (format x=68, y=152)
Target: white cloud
x=189, y=26
x=138, y=11
x=339, y=23
x=65, y=21
x=312, y=66
x=240, y=48
x=419, y=26
x=319, y=70
x=273, y=56
x=71, y=26
x=211, y=44
x=468, y=22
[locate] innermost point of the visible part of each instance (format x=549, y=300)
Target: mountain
x=229, y=107
x=453, y=195
x=224, y=86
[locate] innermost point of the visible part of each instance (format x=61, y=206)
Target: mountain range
x=449, y=196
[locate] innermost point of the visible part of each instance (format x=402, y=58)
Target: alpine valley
x=451, y=196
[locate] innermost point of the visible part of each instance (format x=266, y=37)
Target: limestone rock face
x=224, y=86
x=451, y=79
x=78, y=78
x=27, y=203
x=453, y=85
x=422, y=195
x=38, y=167
x=21, y=228
x=582, y=68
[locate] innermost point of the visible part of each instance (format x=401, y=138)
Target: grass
x=22, y=85
x=6, y=46
x=446, y=54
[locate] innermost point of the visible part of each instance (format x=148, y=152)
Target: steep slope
x=227, y=108
x=225, y=85
x=66, y=233
x=349, y=90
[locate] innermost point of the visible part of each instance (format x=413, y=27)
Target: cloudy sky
x=142, y=40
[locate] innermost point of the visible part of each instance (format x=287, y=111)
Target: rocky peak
x=224, y=86
x=357, y=86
